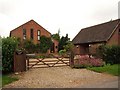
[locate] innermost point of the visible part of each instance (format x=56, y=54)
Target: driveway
x=64, y=77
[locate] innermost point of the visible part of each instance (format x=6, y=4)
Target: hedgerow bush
x=84, y=61
x=62, y=52
x=29, y=46
x=111, y=54
x=0, y=53
x=45, y=44
x=9, y=45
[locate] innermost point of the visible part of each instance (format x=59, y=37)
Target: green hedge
x=9, y=45
x=29, y=46
x=45, y=44
x=0, y=53
x=111, y=54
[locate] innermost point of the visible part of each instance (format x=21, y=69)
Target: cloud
x=7, y=6
x=68, y=15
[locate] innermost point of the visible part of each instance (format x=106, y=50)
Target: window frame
x=38, y=35
x=24, y=34
x=32, y=33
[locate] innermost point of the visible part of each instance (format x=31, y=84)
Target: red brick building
x=88, y=39
x=31, y=30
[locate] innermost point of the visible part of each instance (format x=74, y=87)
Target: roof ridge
x=28, y=22
x=22, y=24
x=101, y=23
x=97, y=33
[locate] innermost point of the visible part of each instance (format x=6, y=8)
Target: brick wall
x=18, y=32
x=81, y=49
x=77, y=49
x=55, y=45
x=93, y=47
x=114, y=40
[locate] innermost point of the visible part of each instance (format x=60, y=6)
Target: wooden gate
x=44, y=62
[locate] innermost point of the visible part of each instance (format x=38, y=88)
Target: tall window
x=24, y=34
x=31, y=33
x=38, y=34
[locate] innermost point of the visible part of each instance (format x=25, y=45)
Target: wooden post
x=19, y=61
x=28, y=63
x=71, y=59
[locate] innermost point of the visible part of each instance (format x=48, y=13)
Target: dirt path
x=63, y=77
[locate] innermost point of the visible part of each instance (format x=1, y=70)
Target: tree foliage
x=9, y=45
x=45, y=44
x=56, y=36
x=63, y=42
x=69, y=46
x=0, y=53
x=29, y=46
x=110, y=54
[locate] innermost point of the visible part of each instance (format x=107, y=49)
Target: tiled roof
x=97, y=33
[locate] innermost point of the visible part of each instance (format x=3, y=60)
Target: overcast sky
x=68, y=15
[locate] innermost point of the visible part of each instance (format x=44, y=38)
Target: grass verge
x=110, y=69
x=6, y=79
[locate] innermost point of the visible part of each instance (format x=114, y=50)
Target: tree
x=29, y=46
x=69, y=46
x=63, y=42
x=45, y=44
x=9, y=45
x=56, y=36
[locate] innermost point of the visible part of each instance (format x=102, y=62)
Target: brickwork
x=114, y=40
x=18, y=32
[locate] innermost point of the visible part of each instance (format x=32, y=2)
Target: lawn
x=6, y=79
x=110, y=69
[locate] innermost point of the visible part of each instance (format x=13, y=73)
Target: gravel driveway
x=64, y=77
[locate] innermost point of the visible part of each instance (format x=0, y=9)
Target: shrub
x=84, y=61
x=9, y=45
x=63, y=41
x=0, y=53
x=62, y=52
x=69, y=46
x=110, y=54
x=29, y=46
x=45, y=44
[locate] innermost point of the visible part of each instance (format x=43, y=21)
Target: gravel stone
x=63, y=77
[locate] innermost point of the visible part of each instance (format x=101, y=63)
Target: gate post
x=19, y=61
x=71, y=59
x=27, y=63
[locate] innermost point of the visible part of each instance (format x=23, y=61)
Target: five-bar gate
x=44, y=62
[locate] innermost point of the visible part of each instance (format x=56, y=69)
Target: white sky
x=68, y=15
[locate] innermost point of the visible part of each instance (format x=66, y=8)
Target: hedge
x=110, y=54
x=9, y=45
